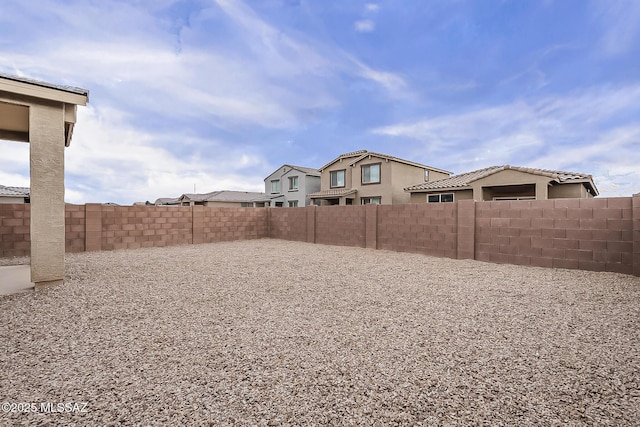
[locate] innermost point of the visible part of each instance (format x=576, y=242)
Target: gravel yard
x=270, y=332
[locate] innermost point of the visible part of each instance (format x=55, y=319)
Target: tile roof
x=464, y=179
x=333, y=193
x=14, y=191
x=362, y=154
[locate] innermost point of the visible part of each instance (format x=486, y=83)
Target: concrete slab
x=15, y=278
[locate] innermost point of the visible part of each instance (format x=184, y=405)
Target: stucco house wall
x=11, y=200
x=508, y=182
x=395, y=175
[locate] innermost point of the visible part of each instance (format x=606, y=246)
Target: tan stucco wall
x=46, y=137
x=384, y=189
x=325, y=177
x=11, y=200
x=394, y=177
x=225, y=204
x=457, y=195
x=567, y=191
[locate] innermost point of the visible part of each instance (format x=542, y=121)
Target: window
x=371, y=174
x=293, y=203
x=337, y=178
x=370, y=200
x=275, y=186
x=426, y=175
x=440, y=198
x=293, y=183
x=245, y=205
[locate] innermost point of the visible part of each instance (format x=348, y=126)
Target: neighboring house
x=243, y=199
x=505, y=183
x=167, y=201
x=290, y=186
x=14, y=194
x=364, y=177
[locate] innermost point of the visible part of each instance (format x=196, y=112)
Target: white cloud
x=372, y=7
x=128, y=165
x=364, y=26
x=593, y=132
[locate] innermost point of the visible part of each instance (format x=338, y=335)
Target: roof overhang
x=14, y=117
x=332, y=194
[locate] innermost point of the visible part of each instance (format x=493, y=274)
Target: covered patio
x=43, y=115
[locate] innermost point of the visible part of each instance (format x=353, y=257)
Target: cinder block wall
x=339, y=225
x=132, y=227
x=591, y=234
x=288, y=224
x=213, y=224
x=15, y=236
x=74, y=219
x=429, y=229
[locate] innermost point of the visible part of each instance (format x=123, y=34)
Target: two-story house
x=289, y=186
x=363, y=177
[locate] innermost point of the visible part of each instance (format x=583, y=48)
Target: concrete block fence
x=601, y=234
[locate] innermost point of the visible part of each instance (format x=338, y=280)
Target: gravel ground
x=270, y=332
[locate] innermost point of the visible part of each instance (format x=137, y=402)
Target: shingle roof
x=233, y=196
x=465, y=179
x=14, y=191
x=70, y=89
x=356, y=156
x=167, y=201
x=222, y=196
x=308, y=171
x=333, y=193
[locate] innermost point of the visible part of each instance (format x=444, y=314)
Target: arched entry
x=43, y=115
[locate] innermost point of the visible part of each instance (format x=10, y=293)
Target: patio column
x=47, y=143
x=542, y=191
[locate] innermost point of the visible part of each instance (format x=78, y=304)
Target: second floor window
x=293, y=183
x=275, y=186
x=337, y=178
x=371, y=174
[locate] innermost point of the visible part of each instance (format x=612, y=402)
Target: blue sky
x=217, y=94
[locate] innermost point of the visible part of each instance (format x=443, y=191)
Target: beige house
x=14, y=194
x=505, y=183
x=244, y=199
x=363, y=177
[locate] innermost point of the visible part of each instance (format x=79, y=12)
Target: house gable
x=509, y=182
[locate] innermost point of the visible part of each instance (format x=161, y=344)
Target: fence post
x=371, y=226
x=466, y=230
x=93, y=227
x=197, y=224
x=311, y=223
x=636, y=233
